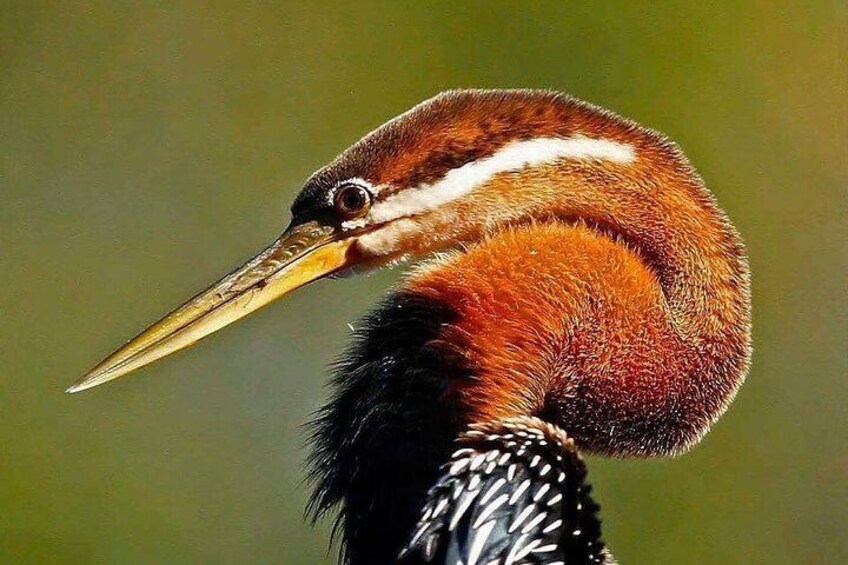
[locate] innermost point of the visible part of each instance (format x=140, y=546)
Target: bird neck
x=615, y=302
x=661, y=210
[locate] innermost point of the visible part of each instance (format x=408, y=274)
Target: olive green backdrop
x=147, y=149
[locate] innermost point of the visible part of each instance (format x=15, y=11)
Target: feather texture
x=515, y=493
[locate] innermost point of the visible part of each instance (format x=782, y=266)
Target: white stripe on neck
x=511, y=157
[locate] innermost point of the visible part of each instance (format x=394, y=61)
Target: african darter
x=577, y=290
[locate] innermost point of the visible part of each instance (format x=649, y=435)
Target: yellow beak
x=301, y=255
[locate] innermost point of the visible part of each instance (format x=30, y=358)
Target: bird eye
x=352, y=201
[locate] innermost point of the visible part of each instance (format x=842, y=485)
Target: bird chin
x=369, y=268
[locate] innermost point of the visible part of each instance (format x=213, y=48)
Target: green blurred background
x=147, y=149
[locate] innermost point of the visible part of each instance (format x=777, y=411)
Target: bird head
x=445, y=173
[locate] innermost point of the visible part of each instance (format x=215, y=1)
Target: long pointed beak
x=301, y=255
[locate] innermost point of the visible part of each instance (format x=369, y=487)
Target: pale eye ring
x=352, y=201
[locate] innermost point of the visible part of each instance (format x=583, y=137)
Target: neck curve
x=643, y=336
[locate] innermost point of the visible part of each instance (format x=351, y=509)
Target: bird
x=574, y=288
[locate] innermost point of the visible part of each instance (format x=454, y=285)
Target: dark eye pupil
x=353, y=199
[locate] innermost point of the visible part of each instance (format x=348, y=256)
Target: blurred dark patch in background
x=145, y=150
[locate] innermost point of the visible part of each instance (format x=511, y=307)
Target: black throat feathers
x=379, y=442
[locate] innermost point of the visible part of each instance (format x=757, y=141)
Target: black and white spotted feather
x=514, y=493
